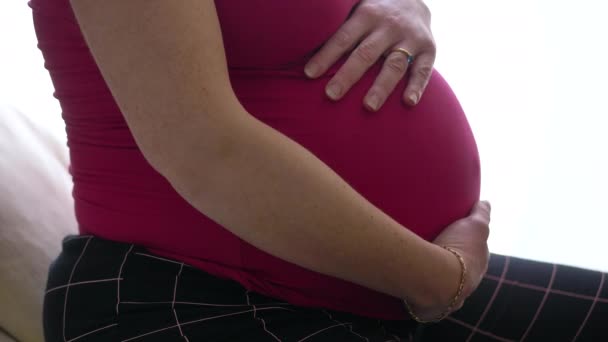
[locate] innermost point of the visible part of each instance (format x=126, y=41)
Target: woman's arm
x=164, y=63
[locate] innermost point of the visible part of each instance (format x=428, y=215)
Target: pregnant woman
x=221, y=196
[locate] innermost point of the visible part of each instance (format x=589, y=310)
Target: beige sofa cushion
x=5, y=338
x=36, y=212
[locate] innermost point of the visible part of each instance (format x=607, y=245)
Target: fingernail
x=413, y=99
x=373, y=102
x=334, y=91
x=311, y=70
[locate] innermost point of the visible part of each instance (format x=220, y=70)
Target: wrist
x=444, y=286
x=451, y=287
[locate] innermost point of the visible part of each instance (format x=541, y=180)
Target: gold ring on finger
x=410, y=57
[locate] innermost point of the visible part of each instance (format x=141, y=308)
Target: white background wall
x=531, y=75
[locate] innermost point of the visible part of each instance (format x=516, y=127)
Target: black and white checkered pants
x=106, y=291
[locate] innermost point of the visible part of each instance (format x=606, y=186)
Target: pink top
x=420, y=165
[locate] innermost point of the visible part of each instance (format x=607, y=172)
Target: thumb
x=482, y=211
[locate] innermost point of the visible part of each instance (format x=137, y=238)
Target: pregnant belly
x=418, y=164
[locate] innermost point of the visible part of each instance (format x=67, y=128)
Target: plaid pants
x=106, y=291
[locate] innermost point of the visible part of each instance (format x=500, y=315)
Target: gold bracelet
x=454, y=300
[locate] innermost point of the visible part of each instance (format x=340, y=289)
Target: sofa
x=36, y=212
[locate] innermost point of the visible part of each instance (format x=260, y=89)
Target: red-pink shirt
x=420, y=165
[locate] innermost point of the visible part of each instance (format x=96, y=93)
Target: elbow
x=190, y=161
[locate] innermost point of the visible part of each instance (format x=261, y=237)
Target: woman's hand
x=376, y=28
x=468, y=237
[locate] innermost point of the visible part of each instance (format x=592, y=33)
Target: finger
x=393, y=70
x=481, y=213
x=420, y=74
x=340, y=42
x=488, y=205
x=482, y=207
x=362, y=57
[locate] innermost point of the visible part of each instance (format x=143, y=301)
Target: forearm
x=276, y=195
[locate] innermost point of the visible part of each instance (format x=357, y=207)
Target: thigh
x=186, y=304
x=524, y=300
x=106, y=291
